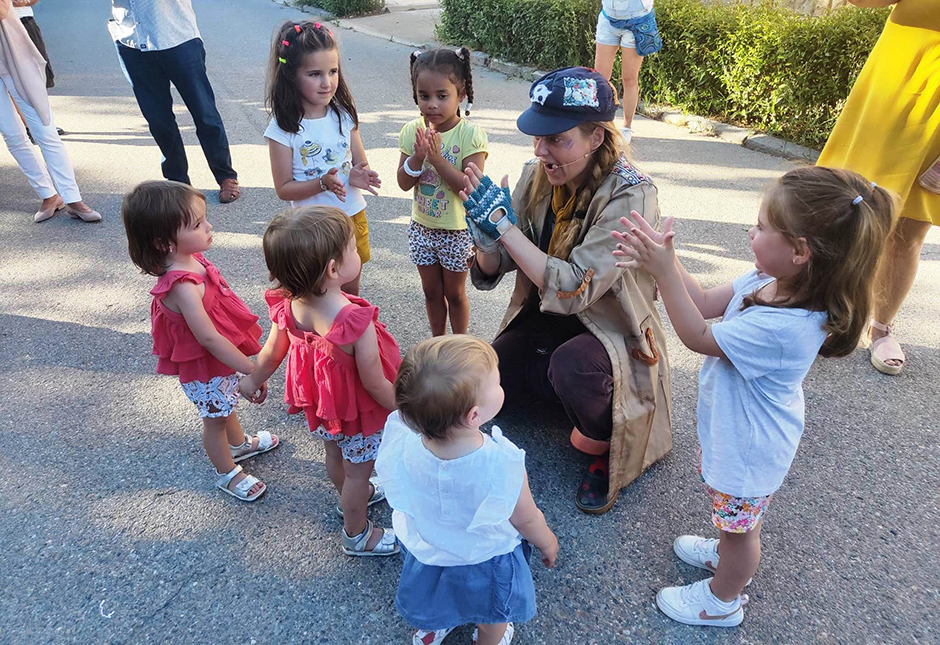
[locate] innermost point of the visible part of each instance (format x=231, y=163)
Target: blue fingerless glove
x=483, y=202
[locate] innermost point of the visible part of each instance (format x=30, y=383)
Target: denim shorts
x=642, y=27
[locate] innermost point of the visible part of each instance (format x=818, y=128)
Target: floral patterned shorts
x=734, y=514
x=451, y=249
x=217, y=398
x=356, y=449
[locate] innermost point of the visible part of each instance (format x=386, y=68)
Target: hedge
x=759, y=66
x=345, y=7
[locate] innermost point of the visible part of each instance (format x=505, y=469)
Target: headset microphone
x=556, y=166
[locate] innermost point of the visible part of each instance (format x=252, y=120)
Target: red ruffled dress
x=323, y=380
x=178, y=351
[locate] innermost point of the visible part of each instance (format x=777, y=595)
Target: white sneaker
x=699, y=552
x=627, y=134
x=505, y=640
x=695, y=604
x=430, y=637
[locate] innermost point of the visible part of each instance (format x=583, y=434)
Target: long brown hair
x=292, y=42
x=599, y=166
x=844, y=235
x=452, y=63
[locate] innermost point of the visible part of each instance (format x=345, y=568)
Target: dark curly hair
x=453, y=63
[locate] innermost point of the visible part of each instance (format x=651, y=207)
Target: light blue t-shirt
x=750, y=404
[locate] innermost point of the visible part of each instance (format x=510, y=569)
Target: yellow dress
x=889, y=130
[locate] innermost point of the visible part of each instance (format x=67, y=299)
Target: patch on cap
x=580, y=92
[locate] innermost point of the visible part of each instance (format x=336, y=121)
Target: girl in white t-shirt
x=462, y=506
x=819, y=234
x=317, y=156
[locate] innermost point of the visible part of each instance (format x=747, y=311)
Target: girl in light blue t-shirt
x=816, y=244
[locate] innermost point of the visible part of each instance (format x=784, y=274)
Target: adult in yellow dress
x=889, y=131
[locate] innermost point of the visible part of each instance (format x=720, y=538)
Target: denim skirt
x=499, y=590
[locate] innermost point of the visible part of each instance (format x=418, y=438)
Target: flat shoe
x=43, y=215
x=593, y=494
x=93, y=216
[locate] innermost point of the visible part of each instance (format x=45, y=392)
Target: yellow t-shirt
x=435, y=204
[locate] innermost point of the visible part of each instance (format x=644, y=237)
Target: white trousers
x=62, y=178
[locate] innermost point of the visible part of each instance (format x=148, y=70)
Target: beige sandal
x=884, y=349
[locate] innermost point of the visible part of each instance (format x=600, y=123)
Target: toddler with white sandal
x=202, y=331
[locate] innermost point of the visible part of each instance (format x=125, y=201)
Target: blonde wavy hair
x=600, y=165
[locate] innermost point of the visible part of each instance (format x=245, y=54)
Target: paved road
x=112, y=531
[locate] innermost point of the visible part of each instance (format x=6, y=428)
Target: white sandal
x=242, y=487
x=885, y=349
x=266, y=442
x=356, y=545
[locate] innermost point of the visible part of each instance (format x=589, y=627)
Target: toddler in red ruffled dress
x=341, y=361
x=202, y=332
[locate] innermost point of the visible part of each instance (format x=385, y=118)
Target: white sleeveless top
x=451, y=512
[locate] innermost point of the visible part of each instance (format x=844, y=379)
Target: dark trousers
x=550, y=359
x=184, y=66
x=35, y=35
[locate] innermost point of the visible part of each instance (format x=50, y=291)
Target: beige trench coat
x=616, y=305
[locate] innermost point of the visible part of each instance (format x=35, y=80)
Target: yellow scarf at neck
x=563, y=207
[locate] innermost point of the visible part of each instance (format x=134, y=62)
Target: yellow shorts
x=361, y=227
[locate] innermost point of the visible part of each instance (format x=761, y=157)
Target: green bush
x=760, y=66
x=345, y=7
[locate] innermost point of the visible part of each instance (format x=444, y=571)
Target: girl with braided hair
x=579, y=330
x=317, y=156
x=435, y=150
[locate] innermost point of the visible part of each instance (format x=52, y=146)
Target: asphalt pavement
x=112, y=531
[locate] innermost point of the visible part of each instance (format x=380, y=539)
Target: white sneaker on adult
x=627, y=134
x=699, y=552
x=695, y=604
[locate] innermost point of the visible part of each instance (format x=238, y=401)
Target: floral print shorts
x=217, y=398
x=734, y=514
x=356, y=449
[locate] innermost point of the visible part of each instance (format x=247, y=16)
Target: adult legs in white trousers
x=52, y=179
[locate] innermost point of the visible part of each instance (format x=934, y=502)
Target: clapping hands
x=361, y=176
x=333, y=184
x=647, y=249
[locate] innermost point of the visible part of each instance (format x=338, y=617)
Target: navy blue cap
x=564, y=98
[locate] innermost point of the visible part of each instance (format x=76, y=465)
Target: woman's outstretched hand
x=487, y=206
x=472, y=177
x=648, y=249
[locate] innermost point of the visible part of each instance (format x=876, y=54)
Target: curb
x=750, y=139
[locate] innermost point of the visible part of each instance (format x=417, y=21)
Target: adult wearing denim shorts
x=631, y=26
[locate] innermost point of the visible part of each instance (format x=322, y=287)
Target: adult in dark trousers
x=578, y=329
x=159, y=44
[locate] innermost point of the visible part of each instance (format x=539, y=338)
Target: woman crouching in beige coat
x=578, y=329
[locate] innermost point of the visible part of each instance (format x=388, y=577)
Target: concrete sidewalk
x=407, y=22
